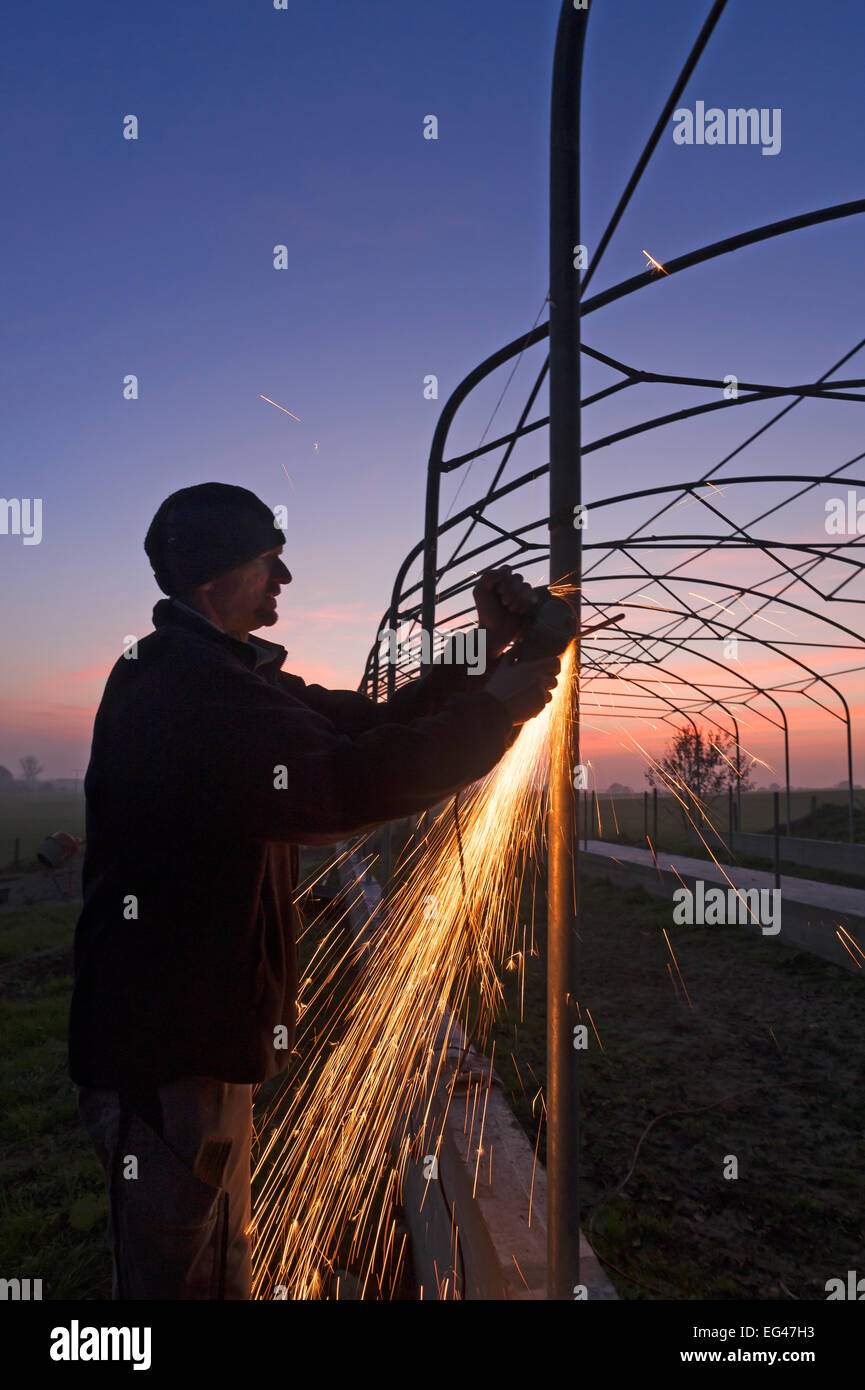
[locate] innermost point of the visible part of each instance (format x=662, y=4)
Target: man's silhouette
x=209, y=766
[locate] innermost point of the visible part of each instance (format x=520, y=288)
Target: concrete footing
x=811, y=913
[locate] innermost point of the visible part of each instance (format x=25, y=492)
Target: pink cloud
x=100, y=673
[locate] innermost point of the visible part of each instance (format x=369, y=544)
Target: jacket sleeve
x=352, y=713
x=249, y=759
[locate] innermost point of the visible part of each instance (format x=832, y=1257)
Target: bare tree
x=30, y=769
x=699, y=766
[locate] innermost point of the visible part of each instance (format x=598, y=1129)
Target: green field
x=623, y=817
x=31, y=818
x=52, y=1208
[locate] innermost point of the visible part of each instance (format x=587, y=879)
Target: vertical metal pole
x=775, y=800
x=655, y=817
x=698, y=748
x=645, y=815
x=730, y=813
x=563, y=1211
x=738, y=774
x=851, y=799
x=787, y=772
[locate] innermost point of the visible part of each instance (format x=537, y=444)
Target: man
x=209, y=766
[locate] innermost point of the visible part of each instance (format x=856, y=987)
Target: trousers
x=176, y=1159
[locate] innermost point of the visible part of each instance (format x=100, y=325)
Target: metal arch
x=778, y=651
x=757, y=690
x=689, y=486
x=712, y=622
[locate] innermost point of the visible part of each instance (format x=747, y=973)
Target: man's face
x=246, y=596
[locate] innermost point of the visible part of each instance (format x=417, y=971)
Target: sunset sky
x=407, y=257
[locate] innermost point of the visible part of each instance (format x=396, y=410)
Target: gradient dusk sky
x=407, y=256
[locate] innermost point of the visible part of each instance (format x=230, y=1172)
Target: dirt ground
x=765, y=1066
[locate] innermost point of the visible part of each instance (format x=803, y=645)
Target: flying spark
x=360, y=1111
x=656, y=265
x=279, y=407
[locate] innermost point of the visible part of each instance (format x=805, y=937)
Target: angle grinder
x=552, y=628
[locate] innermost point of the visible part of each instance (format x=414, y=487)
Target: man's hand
x=525, y=687
x=504, y=602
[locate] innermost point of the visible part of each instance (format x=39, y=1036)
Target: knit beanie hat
x=201, y=532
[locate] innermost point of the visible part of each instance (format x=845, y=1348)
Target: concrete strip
x=811, y=912
x=814, y=854
x=832, y=897
x=499, y=1199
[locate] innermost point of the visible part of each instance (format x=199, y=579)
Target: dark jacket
x=206, y=771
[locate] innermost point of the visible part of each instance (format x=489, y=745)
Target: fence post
x=655, y=817
x=730, y=811
x=645, y=814
x=776, y=796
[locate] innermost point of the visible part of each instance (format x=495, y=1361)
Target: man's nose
x=281, y=573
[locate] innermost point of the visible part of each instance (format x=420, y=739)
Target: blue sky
x=407, y=257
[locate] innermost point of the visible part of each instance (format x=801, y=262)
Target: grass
x=831, y=822
x=52, y=1209
x=31, y=817
x=621, y=820
x=754, y=861
x=622, y=817
x=29, y=930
